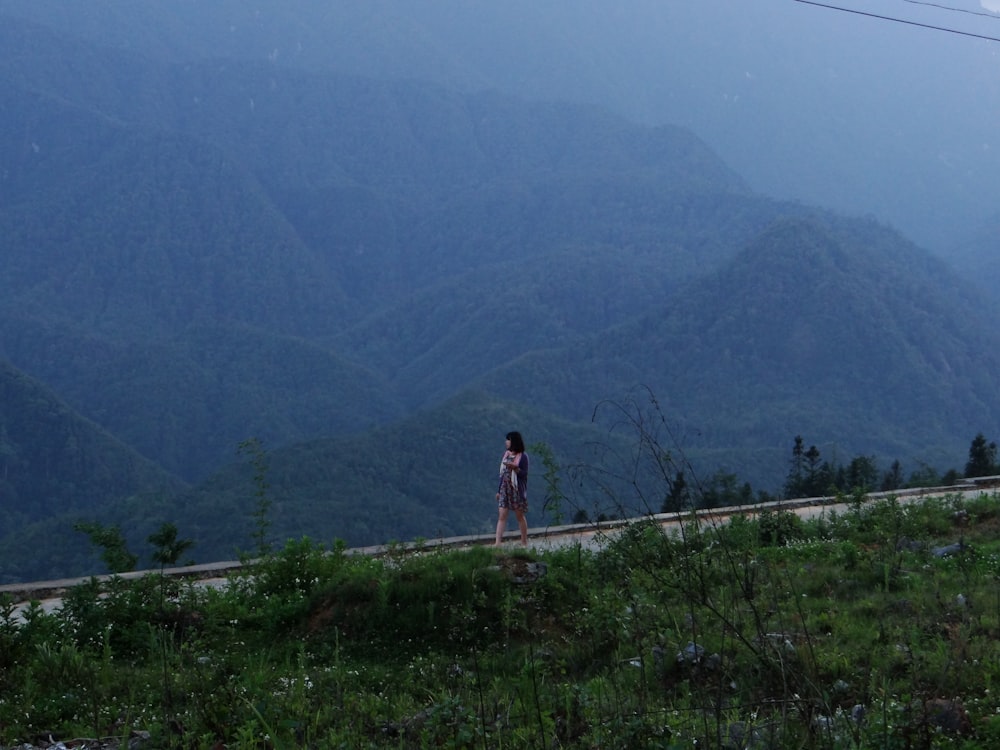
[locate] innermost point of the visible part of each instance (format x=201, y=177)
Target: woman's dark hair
x=516, y=442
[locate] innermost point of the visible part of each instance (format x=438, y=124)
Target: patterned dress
x=513, y=487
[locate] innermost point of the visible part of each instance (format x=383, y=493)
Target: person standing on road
x=512, y=493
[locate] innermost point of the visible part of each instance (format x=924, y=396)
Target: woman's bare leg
x=522, y=524
x=501, y=526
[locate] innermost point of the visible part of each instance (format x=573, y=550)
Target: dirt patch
x=521, y=569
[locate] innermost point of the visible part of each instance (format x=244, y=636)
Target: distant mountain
x=831, y=328
x=53, y=462
x=976, y=257
x=766, y=85
x=188, y=400
x=277, y=205
x=377, y=279
x=430, y=475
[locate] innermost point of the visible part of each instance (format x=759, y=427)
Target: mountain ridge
x=35, y=482
x=726, y=365
x=358, y=272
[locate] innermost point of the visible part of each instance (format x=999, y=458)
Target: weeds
x=876, y=628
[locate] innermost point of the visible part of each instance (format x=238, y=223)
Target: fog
x=873, y=107
x=862, y=114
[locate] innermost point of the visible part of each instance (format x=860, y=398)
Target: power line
x=899, y=20
x=992, y=16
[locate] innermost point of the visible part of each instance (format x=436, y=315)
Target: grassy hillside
x=875, y=627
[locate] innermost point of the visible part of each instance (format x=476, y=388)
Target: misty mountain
x=820, y=326
x=365, y=170
x=880, y=114
x=430, y=475
x=976, y=257
x=390, y=160
x=377, y=278
x=53, y=461
x=261, y=203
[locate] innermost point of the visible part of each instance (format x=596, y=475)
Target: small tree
x=893, y=478
x=111, y=541
x=678, y=496
x=809, y=475
x=262, y=506
x=723, y=489
x=796, y=472
x=553, y=493
x=982, y=458
x=168, y=547
x=861, y=474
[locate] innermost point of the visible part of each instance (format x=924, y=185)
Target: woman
x=513, y=490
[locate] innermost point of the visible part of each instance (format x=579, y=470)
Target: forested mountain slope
x=54, y=462
x=435, y=341
x=188, y=400
x=845, y=110
x=429, y=475
x=976, y=256
x=821, y=326
x=378, y=279
x=149, y=203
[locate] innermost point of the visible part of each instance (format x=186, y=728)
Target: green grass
x=847, y=631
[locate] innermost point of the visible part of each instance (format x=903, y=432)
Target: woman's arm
x=515, y=462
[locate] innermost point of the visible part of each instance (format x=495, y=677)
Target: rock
x=691, y=654
x=948, y=550
x=947, y=715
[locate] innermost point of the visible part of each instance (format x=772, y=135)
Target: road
x=49, y=594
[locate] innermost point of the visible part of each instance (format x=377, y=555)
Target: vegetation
x=53, y=462
x=982, y=458
x=809, y=475
x=875, y=627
